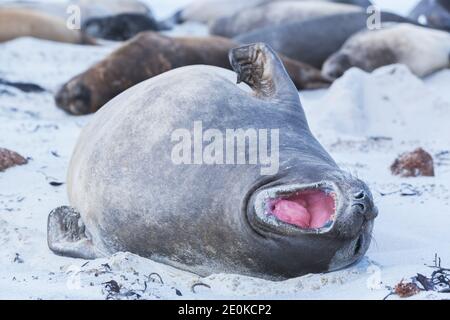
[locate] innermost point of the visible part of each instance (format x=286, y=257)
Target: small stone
x=414, y=164
x=406, y=290
x=10, y=159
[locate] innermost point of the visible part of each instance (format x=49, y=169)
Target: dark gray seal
x=313, y=41
x=432, y=13
x=276, y=13
x=207, y=11
x=120, y=27
x=127, y=194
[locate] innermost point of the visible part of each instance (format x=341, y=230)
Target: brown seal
x=150, y=54
x=16, y=23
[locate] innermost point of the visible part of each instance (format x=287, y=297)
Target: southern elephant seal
x=150, y=54
x=315, y=40
x=432, y=13
x=103, y=8
x=120, y=27
x=127, y=193
x=423, y=50
x=88, y=9
x=207, y=11
x=276, y=13
x=15, y=23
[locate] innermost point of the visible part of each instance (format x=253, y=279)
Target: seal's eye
x=308, y=209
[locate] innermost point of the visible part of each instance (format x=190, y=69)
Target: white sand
x=407, y=111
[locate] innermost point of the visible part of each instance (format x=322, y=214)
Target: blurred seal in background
x=313, y=41
x=207, y=11
x=88, y=9
x=433, y=13
x=275, y=13
x=22, y=22
x=422, y=49
x=150, y=54
x=120, y=27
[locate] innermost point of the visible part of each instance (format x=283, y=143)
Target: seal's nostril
x=361, y=207
x=360, y=195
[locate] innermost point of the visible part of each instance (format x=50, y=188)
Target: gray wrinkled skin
x=201, y=218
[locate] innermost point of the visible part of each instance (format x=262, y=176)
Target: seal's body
x=423, y=50
x=276, y=13
x=15, y=23
x=433, y=13
x=120, y=27
x=207, y=11
x=315, y=40
x=150, y=54
x=87, y=9
x=127, y=193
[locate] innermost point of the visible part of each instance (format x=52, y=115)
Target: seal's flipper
x=66, y=234
x=258, y=66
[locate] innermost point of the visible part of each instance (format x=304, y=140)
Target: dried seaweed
x=406, y=289
x=439, y=281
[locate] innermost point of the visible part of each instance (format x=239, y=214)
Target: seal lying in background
x=127, y=194
x=120, y=27
x=313, y=41
x=150, y=54
x=423, y=50
x=88, y=8
x=207, y=11
x=433, y=13
x=102, y=8
x=15, y=23
x=275, y=13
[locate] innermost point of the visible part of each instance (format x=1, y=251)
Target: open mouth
x=305, y=207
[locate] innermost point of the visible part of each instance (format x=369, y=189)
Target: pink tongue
x=292, y=212
x=309, y=209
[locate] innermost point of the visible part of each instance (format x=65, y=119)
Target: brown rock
x=406, y=290
x=414, y=164
x=10, y=159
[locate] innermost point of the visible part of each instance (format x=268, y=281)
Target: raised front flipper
x=66, y=234
x=258, y=66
